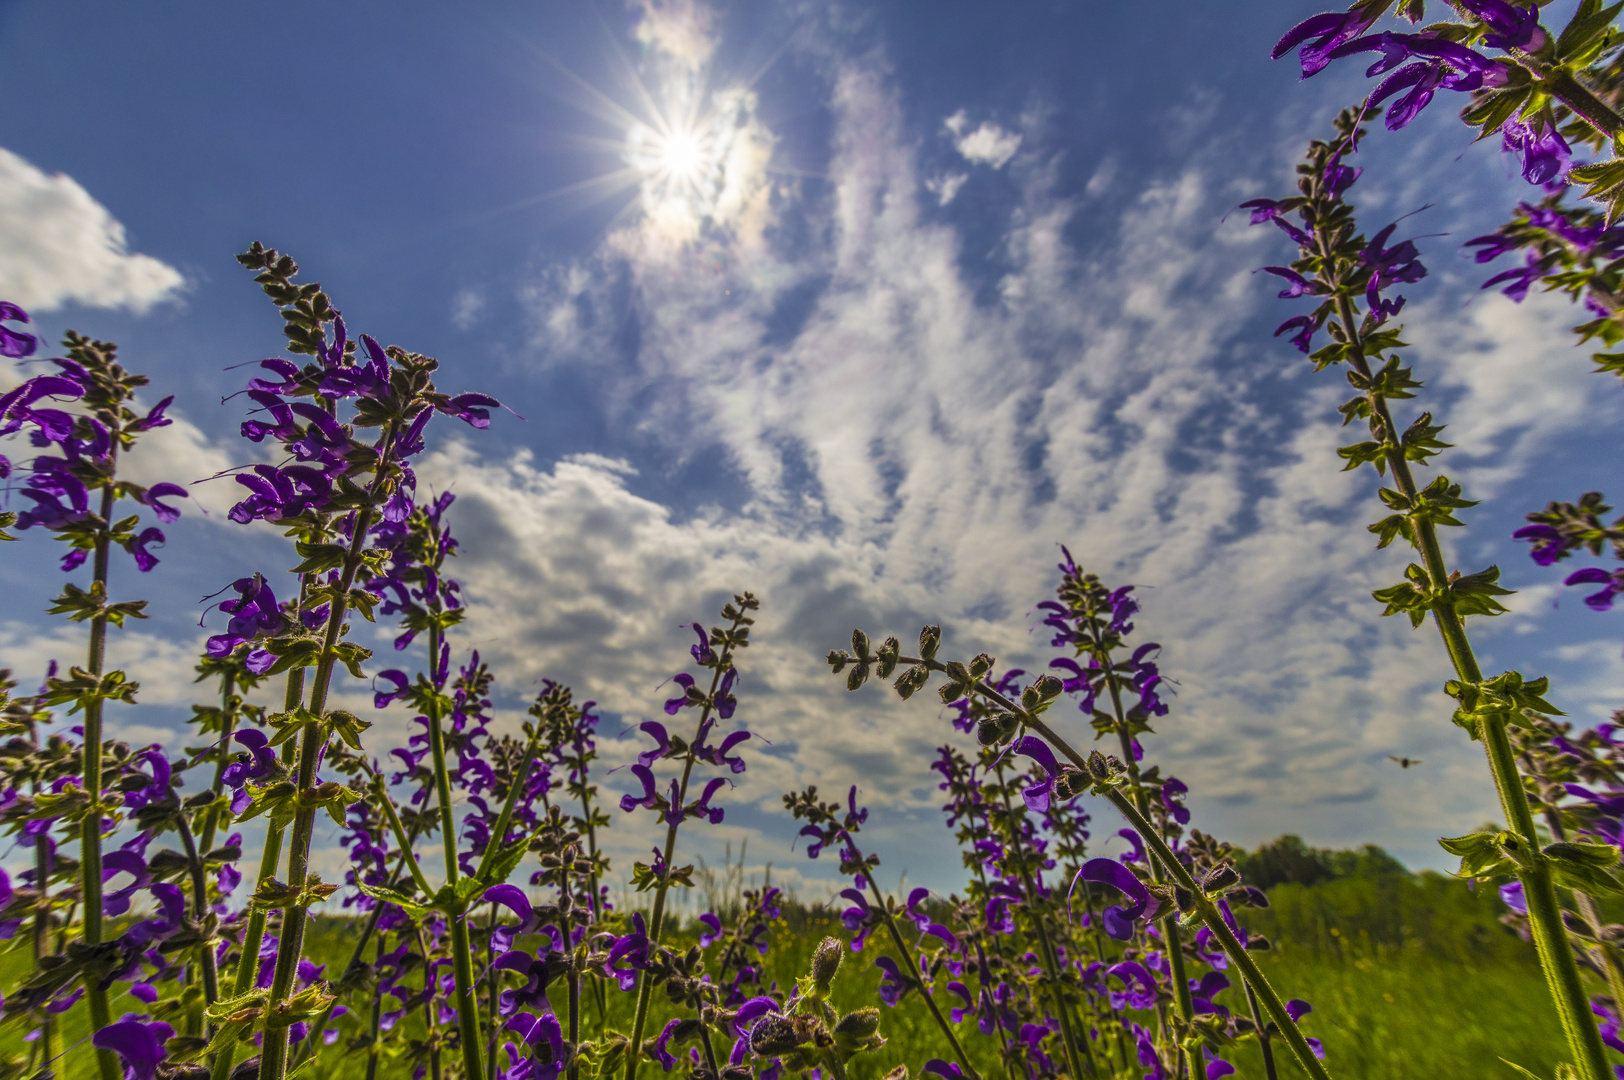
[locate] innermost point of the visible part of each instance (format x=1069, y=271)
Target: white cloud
x=58, y=244
x=466, y=307
x=988, y=144
x=946, y=186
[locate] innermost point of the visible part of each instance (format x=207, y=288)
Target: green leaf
x=506, y=862
x=411, y=907
x=318, y=558
x=1586, y=32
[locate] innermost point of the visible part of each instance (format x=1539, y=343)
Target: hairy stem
x=1544, y=911
x=634, y=1052
x=90, y=854
x=290, y=947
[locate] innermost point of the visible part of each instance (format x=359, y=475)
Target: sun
x=682, y=156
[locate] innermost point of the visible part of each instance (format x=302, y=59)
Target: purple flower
x=1120, y=920
x=1328, y=31
x=958, y=1012
x=702, y=652
x=947, y=1070
x=712, y=931
x=893, y=984
x=1296, y=284
x=123, y=861
x=140, y=1044
x=713, y=814
x=473, y=409
x=662, y=742
x=1512, y=896
x=382, y=698
x=1513, y=27
x=1595, y=575
x=1140, y=986
x=534, y=971
x=1036, y=796
x=1545, y=154
x=1305, y=325
x=633, y=948
x=1401, y=262
x=650, y=797
x=1549, y=545
x=673, y=705
x=162, y=511
x=545, y=1040
x=14, y=343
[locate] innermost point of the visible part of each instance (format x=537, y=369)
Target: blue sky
x=959, y=289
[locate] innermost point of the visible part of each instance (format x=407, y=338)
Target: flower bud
x=1099, y=767
x=859, y=644
x=898, y=1073
x=826, y=961
x=980, y=664
x=1220, y=878
x=1184, y=898
x=858, y=1025
x=1070, y=782
x=930, y=640
x=997, y=728
x=774, y=1035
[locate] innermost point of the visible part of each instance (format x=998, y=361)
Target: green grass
x=1383, y=1014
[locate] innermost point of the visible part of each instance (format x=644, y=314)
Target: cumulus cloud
x=59, y=245
x=987, y=144
x=467, y=306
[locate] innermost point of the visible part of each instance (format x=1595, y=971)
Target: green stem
x=308, y=1047
x=1051, y=959
x=913, y=973
x=376, y=1025
x=1214, y=920
x=462, y=955
x=634, y=1052
x=222, y=753
x=1262, y=1033
x=1182, y=997
x=254, y=932
x=1544, y=911
x=200, y=912
x=90, y=854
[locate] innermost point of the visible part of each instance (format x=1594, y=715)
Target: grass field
x=1401, y=1015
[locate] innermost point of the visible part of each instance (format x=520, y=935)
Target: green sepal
x=1482, y=855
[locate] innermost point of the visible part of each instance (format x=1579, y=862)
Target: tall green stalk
x=1544, y=910
x=290, y=945
x=90, y=853
x=634, y=1051
x=254, y=932
x=461, y=953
